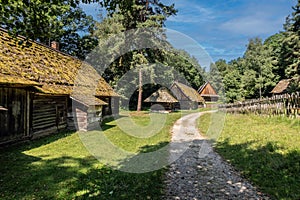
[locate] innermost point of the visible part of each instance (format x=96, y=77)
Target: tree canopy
x=264, y=63
x=45, y=21
x=253, y=75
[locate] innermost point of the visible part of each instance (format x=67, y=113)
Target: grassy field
x=265, y=150
x=61, y=167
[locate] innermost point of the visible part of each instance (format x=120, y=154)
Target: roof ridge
x=201, y=88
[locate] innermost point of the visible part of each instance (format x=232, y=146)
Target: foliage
x=159, y=66
x=274, y=45
x=264, y=64
x=231, y=82
x=258, y=79
x=46, y=21
x=290, y=50
x=251, y=76
x=186, y=68
x=140, y=13
x=140, y=22
x=265, y=150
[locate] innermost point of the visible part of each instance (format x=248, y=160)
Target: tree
x=263, y=65
x=76, y=37
x=258, y=78
x=232, y=87
x=188, y=67
x=215, y=77
x=274, y=45
x=290, y=51
x=45, y=21
x=140, y=13
x=133, y=14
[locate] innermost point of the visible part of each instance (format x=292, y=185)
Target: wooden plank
x=44, y=126
x=43, y=115
x=44, y=120
x=27, y=116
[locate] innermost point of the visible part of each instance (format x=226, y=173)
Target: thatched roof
x=16, y=80
x=281, y=87
x=48, y=70
x=162, y=95
x=189, y=92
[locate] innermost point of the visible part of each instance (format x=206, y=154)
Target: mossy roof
x=189, y=92
x=16, y=80
x=49, y=70
x=162, y=95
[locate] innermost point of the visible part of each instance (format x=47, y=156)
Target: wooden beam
x=3, y=109
x=27, y=118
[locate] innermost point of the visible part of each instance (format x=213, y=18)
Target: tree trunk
x=139, y=105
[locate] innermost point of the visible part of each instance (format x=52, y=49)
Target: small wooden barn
x=187, y=96
x=162, y=97
x=281, y=87
x=43, y=91
x=208, y=93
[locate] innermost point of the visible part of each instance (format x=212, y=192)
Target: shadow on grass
x=273, y=172
x=66, y=177
x=105, y=124
x=111, y=183
x=30, y=144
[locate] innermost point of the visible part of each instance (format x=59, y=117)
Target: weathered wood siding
x=49, y=114
x=208, y=90
x=82, y=117
x=77, y=116
x=94, y=117
x=115, y=104
x=13, y=120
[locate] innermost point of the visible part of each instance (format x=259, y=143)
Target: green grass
x=61, y=167
x=265, y=150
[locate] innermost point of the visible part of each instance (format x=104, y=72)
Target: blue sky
x=223, y=27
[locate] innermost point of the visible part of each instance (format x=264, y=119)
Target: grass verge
x=60, y=167
x=265, y=150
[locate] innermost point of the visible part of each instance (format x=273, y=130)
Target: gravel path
x=198, y=172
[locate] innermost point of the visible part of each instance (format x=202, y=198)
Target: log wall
x=49, y=114
x=287, y=105
x=13, y=114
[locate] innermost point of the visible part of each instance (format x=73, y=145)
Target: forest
x=253, y=75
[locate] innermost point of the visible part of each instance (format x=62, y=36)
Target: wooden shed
x=208, y=93
x=187, y=96
x=162, y=97
x=39, y=91
x=281, y=87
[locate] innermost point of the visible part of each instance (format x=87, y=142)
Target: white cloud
x=251, y=26
x=255, y=18
x=193, y=13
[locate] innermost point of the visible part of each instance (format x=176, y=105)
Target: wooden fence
x=284, y=105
